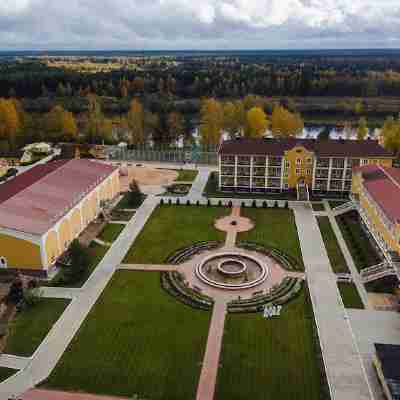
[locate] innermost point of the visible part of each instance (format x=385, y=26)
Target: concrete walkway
x=14, y=362
x=347, y=256
x=52, y=348
x=345, y=372
x=40, y=394
x=148, y=267
x=60, y=292
x=199, y=184
x=210, y=366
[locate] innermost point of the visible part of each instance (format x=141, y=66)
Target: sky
x=198, y=24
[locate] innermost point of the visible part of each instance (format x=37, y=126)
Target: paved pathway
x=60, y=292
x=40, y=394
x=210, y=366
x=56, y=342
x=13, y=362
x=371, y=327
x=345, y=372
x=349, y=259
x=148, y=267
x=199, y=184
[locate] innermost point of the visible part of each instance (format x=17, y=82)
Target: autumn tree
x=9, y=121
x=257, y=122
x=211, y=121
x=97, y=127
x=284, y=123
x=60, y=125
x=391, y=135
x=362, y=130
x=135, y=121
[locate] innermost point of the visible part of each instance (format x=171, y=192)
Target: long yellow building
x=376, y=191
x=44, y=209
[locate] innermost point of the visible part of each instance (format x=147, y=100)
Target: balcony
x=243, y=182
x=226, y=181
x=321, y=185
x=274, y=183
x=228, y=171
x=337, y=174
x=259, y=161
x=275, y=161
x=257, y=182
x=274, y=172
x=323, y=163
x=322, y=173
x=243, y=160
x=336, y=185
x=243, y=171
x=259, y=171
x=349, y=174
x=338, y=163
x=228, y=160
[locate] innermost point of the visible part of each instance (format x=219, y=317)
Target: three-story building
x=279, y=165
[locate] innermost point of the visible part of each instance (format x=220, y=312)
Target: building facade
x=43, y=210
x=278, y=165
x=376, y=192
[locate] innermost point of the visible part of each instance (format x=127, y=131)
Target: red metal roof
x=383, y=184
x=322, y=148
x=34, y=201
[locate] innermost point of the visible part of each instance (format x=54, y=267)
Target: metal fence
x=172, y=156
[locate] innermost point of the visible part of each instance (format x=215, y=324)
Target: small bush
x=230, y=204
x=265, y=204
x=169, y=201
x=188, y=202
x=208, y=203
x=276, y=204
x=178, y=201
x=243, y=204
x=286, y=204
x=162, y=202
x=219, y=203
x=197, y=202
x=254, y=204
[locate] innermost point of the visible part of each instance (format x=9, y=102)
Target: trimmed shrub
x=188, y=202
x=286, y=204
x=230, y=204
x=254, y=204
x=197, y=202
x=169, y=201
x=219, y=203
x=162, y=202
x=208, y=203
x=265, y=204
x=276, y=204
x=178, y=201
x=243, y=204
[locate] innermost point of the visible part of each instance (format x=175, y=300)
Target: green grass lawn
x=275, y=227
x=136, y=340
x=111, y=232
x=350, y=296
x=32, y=325
x=318, y=206
x=5, y=373
x=171, y=228
x=335, y=254
x=186, y=175
x=361, y=249
x=270, y=359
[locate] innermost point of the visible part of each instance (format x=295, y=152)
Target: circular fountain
x=232, y=271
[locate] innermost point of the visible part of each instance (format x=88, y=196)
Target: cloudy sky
x=198, y=24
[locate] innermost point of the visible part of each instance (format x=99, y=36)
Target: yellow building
x=376, y=191
x=44, y=209
x=276, y=165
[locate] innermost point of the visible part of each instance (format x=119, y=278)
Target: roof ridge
x=389, y=176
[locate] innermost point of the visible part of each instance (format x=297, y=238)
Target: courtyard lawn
x=5, y=373
x=171, y=228
x=126, y=202
x=359, y=245
x=32, y=325
x=111, y=232
x=275, y=227
x=350, y=296
x=270, y=359
x=186, y=175
x=335, y=254
x=136, y=340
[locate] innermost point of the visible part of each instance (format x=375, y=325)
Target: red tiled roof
x=383, y=184
x=36, y=200
x=322, y=148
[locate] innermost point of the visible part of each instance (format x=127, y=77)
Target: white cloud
x=199, y=23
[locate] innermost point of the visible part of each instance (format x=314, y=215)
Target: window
x=3, y=262
x=309, y=160
x=308, y=171
x=298, y=171
x=298, y=161
x=286, y=186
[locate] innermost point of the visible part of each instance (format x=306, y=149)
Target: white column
x=282, y=171
x=251, y=173
x=266, y=170
x=344, y=174
x=236, y=171
x=329, y=174
x=219, y=171
x=314, y=172
x=43, y=255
